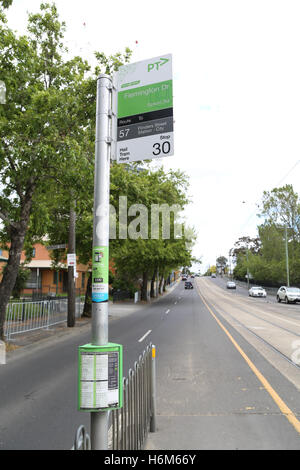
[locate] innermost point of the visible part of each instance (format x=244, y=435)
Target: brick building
x=43, y=277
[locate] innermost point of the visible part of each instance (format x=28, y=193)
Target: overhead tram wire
x=280, y=182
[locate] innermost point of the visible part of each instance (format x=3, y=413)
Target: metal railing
x=131, y=423
x=129, y=426
x=28, y=316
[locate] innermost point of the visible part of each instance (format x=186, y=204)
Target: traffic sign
x=145, y=110
x=56, y=247
x=71, y=258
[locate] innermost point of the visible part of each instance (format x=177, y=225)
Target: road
x=226, y=380
x=225, y=375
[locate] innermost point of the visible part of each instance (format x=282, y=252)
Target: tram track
x=223, y=311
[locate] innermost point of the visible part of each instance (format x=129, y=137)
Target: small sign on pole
x=145, y=110
x=71, y=259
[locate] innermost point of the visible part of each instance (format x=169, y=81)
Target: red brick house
x=43, y=277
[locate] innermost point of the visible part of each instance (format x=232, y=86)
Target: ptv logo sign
x=156, y=65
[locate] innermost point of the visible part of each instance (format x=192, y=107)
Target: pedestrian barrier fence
x=129, y=426
x=28, y=316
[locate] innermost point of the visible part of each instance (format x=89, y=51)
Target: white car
x=288, y=294
x=257, y=291
x=231, y=285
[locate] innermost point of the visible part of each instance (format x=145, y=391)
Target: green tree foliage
x=143, y=257
x=47, y=133
x=280, y=209
x=6, y=3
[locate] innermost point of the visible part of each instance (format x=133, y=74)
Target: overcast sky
x=236, y=73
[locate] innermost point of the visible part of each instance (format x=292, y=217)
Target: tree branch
x=5, y=218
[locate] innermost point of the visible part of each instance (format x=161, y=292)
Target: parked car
x=231, y=285
x=288, y=294
x=257, y=291
x=188, y=285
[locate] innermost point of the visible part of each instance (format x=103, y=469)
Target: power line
x=280, y=182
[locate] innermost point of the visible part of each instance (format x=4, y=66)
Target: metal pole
x=99, y=420
x=247, y=269
x=153, y=390
x=71, y=273
x=287, y=259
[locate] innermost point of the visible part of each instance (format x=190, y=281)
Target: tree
x=83, y=192
x=280, y=210
x=41, y=128
x=144, y=255
x=6, y=3
x=221, y=263
x=281, y=206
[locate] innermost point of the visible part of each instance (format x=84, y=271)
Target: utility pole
x=287, y=258
x=247, y=267
x=71, y=269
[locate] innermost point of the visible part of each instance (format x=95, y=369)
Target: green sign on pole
x=145, y=110
x=100, y=377
x=100, y=271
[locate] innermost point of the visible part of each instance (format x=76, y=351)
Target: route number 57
x=123, y=133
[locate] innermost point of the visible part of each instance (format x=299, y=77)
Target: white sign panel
x=71, y=259
x=145, y=110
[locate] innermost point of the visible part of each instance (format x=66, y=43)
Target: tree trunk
x=161, y=283
x=152, y=293
x=144, y=286
x=17, y=232
x=87, y=309
x=10, y=274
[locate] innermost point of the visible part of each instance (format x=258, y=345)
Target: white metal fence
x=28, y=316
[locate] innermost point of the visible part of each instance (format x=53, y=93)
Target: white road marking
x=145, y=336
x=167, y=311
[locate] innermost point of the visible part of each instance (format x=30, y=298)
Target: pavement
x=30, y=339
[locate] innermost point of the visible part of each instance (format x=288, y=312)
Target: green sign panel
x=100, y=274
x=145, y=99
x=100, y=377
x=145, y=110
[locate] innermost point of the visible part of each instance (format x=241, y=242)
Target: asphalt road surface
x=227, y=375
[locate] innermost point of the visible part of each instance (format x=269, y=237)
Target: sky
x=236, y=76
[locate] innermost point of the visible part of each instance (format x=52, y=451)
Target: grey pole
x=247, y=267
x=71, y=273
x=99, y=420
x=287, y=259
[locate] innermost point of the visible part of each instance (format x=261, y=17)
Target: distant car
x=192, y=276
x=231, y=285
x=188, y=285
x=257, y=291
x=184, y=278
x=288, y=294
x=213, y=275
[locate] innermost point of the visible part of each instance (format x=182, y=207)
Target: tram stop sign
x=145, y=110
